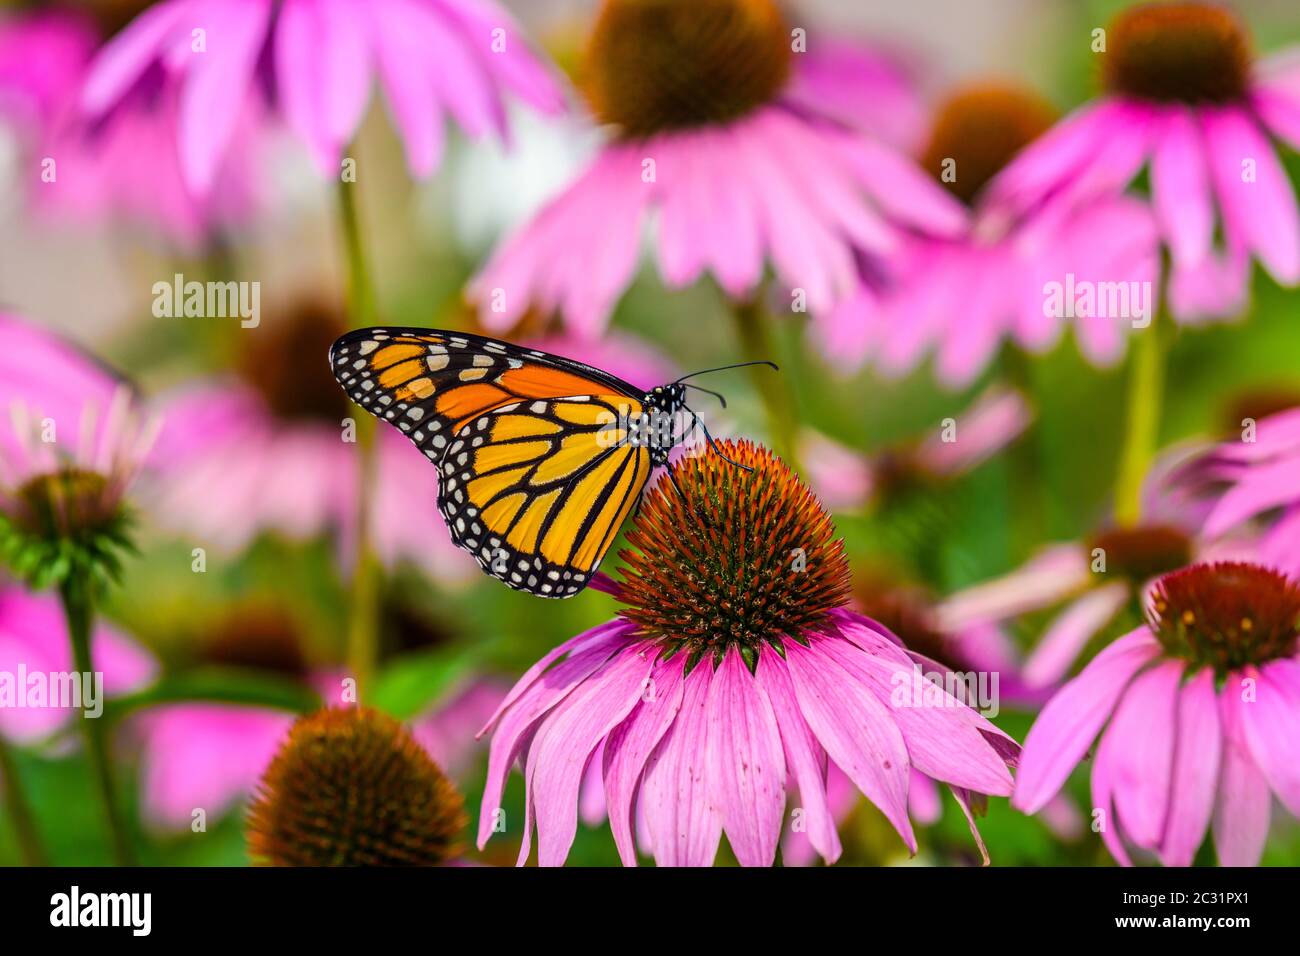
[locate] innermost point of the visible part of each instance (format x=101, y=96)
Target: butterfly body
x=540, y=458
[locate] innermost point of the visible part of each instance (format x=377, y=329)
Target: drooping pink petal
x=630, y=744
x=603, y=635
x=565, y=739
x=747, y=761
x=941, y=741
x=1180, y=185
x=1270, y=725
x=804, y=757
x=1258, y=208
x=1067, y=635
x=856, y=730
x=410, y=94
x=125, y=58
x=1242, y=812
x=1070, y=721
x=1144, y=729
x=520, y=713
x=217, y=85
x=1105, y=820
x=685, y=826
x=1196, y=771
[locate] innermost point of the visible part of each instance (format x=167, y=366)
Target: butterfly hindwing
x=535, y=479
x=537, y=490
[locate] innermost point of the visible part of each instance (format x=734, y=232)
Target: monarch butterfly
x=540, y=458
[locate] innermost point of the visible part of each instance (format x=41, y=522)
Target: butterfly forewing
x=535, y=477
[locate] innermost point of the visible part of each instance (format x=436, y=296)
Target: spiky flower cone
x=351, y=787
x=747, y=558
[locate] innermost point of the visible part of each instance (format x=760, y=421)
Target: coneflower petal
x=746, y=761
x=630, y=744
x=1269, y=727
x=804, y=757
x=1069, y=723
x=1242, y=813
x=1143, y=732
x=520, y=719
x=1105, y=819
x=940, y=741
x=567, y=737
x=856, y=730
x=1197, y=752
x=684, y=825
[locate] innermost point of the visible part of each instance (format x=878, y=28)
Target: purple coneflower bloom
x=129, y=169
x=1249, y=484
x=1185, y=99
x=316, y=59
x=1199, y=708
x=730, y=682
x=962, y=296
x=714, y=138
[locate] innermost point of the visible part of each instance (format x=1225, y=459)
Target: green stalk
x=78, y=609
x=773, y=389
x=20, y=811
x=1142, y=420
x=363, y=612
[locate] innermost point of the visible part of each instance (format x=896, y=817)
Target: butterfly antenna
x=708, y=438
x=723, y=368
x=700, y=388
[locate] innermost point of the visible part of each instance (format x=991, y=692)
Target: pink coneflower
x=846, y=479
x=1199, y=706
x=64, y=481
x=963, y=296
x=729, y=683
x=1185, y=99
x=208, y=755
x=708, y=140
x=1248, y=484
x=315, y=61
x=127, y=170
x=34, y=641
x=1089, y=586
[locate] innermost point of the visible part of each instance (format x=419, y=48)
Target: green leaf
x=218, y=685
x=409, y=684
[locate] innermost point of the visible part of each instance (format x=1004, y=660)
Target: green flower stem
x=79, y=611
x=773, y=390
x=1142, y=420
x=1026, y=475
x=19, y=810
x=363, y=611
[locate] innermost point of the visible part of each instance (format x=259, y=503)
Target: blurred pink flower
x=962, y=296
x=126, y=168
x=1199, y=706
x=868, y=89
x=1247, y=485
x=845, y=479
x=717, y=750
x=315, y=61
x=227, y=468
x=761, y=169
x=73, y=440
x=1184, y=99
x=34, y=637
